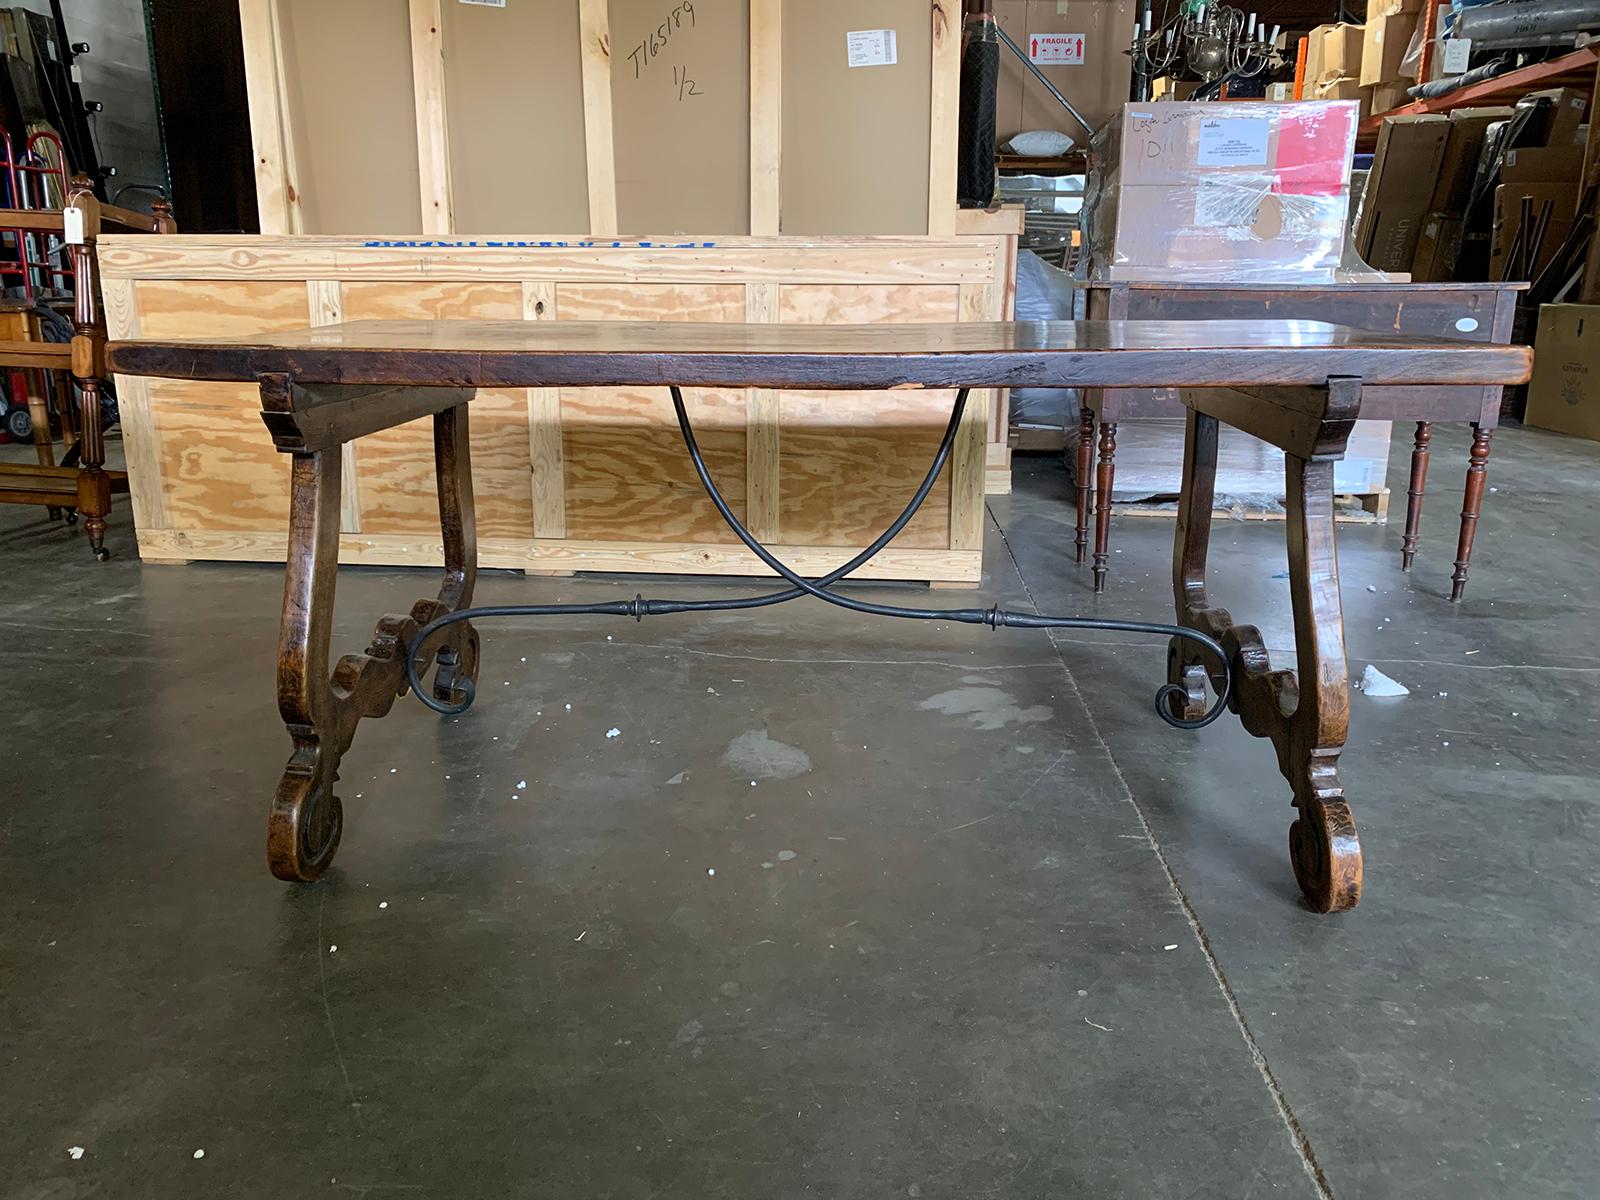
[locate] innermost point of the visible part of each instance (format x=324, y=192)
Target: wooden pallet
x=1349, y=507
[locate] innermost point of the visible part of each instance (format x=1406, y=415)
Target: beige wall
x=1097, y=88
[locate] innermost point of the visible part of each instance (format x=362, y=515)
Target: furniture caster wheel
x=102, y=554
x=1326, y=854
x=72, y=516
x=303, y=828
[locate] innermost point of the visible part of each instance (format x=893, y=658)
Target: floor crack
x=1297, y=1133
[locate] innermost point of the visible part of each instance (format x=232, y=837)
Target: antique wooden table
x=1297, y=384
x=1471, y=312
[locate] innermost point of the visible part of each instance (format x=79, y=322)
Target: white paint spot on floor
x=613, y=733
x=521, y=783
x=199, y=1153
x=678, y=778
x=383, y=904
x=756, y=752
x=986, y=707
x=333, y=949
x=74, y=1152
x=786, y=855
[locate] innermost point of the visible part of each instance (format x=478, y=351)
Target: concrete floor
x=979, y=924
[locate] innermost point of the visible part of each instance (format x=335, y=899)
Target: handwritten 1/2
x=651, y=46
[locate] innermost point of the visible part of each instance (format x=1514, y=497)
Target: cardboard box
x=1342, y=48
x=1166, y=87
x=1567, y=109
x=1565, y=392
x=1543, y=164
x=1314, y=41
x=1387, y=96
x=1348, y=88
x=1461, y=152
x=1221, y=191
x=1508, y=197
x=1404, y=170
x=1384, y=45
x=1387, y=8
x=1438, y=247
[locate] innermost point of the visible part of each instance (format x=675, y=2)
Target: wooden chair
x=84, y=489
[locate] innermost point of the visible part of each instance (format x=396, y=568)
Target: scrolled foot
x=304, y=826
x=1326, y=854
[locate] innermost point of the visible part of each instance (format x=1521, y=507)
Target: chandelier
x=1210, y=40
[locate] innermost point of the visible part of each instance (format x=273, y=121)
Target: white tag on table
x=72, y=225
x=871, y=47
x=486, y=3
x=1233, y=142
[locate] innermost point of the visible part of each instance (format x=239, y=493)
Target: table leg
x=1471, y=505
x=321, y=711
x=94, y=485
x=1305, y=712
x=1085, y=469
x=1419, y=480
x=1105, y=477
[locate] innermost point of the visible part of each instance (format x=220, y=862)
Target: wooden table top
x=828, y=357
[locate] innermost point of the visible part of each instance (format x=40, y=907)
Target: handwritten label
x=680, y=18
x=1056, y=49
x=72, y=225
x=1233, y=142
x=486, y=3
x=1457, y=54
x=871, y=48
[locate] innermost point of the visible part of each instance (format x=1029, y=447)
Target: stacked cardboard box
x=1386, y=41
x=1333, y=65
x=1439, y=242
x=1221, y=192
x=1404, y=170
x=1565, y=393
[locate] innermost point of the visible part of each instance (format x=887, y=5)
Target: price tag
x=72, y=225
x=1056, y=49
x=1457, y=53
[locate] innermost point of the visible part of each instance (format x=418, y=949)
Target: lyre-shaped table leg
x=321, y=710
x=1305, y=712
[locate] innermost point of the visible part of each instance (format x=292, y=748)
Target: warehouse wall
x=117, y=73
x=1097, y=87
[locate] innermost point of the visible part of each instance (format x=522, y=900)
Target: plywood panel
x=218, y=470
x=218, y=308
x=395, y=467
x=850, y=462
x=650, y=302
x=628, y=477
x=855, y=139
x=516, y=117
x=680, y=98
x=348, y=70
x=855, y=304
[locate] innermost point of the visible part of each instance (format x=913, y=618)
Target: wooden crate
x=566, y=479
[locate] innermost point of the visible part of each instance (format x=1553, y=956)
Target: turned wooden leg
x=39, y=412
x=321, y=710
x=94, y=485
x=1419, y=480
x=1471, y=505
x=1105, y=477
x=1085, y=469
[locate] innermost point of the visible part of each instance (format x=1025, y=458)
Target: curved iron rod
x=994, y=617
